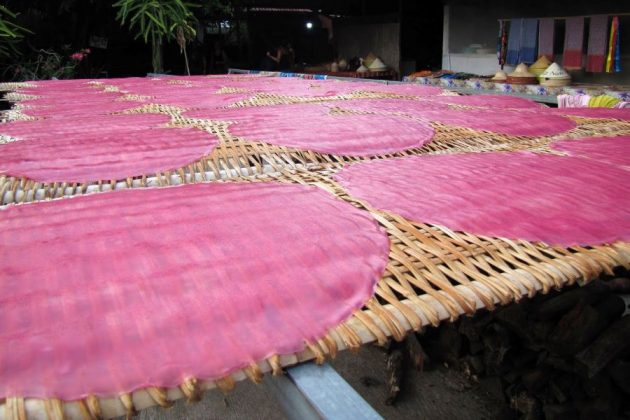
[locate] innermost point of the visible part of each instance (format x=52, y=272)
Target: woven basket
x=547, y=82
x=521, y=80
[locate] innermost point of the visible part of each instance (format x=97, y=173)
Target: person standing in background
x=280, y=58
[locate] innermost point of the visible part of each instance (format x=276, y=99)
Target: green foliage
x=219, y=8
x=10, y=33
x=45, y=65
x=156, y=20
x=153, y=19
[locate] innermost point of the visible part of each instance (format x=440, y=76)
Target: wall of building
x=358, y=39
x=469, y=22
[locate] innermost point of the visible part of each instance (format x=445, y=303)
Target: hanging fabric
x=514, y=42
x=597, y=38
x=502, y=43
x=573, y=43
x=613, y=59
x=546, y=36
x=529, y=37
x=617, y=64
x=521, y=47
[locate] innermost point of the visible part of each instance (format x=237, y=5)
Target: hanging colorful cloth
x=514, y=42
x=546, y=35
x=573, y=43
x=613, y=59
x=502, y=43
x=529, y=44
x=597, y=37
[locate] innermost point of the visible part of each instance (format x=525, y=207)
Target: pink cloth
x=554, y=199
x=312, y=127
x=523, y=122
x=546, y=35
x=109, y=293
x=106, y=147
x=597, y=43
x=611, y=150
x=572, y=56
x=573, y=101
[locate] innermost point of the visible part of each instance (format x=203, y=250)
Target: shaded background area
x=234, y=33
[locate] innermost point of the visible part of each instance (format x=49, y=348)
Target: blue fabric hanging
x=529, y=41
x=522, y=41
x=514, y=42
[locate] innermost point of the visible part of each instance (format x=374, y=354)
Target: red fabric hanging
x=573, y=43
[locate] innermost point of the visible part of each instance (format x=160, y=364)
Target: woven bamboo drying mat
x=235, y=157
x=433, y=274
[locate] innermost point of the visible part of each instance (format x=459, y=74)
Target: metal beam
x=311, y=392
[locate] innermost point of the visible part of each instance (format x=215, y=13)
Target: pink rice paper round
x=94, y=148
x=524, y=122
x=199, y=95
x=197, y=99
x=312, y=127
x=76, y=100
x=109, y=293
x=611, y=150
x=553, y=199
x=606, y=113
x=294, y=87
x=76, y=107
x=57, y=86
x=165, y=90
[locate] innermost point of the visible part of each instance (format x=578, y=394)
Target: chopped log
x=417, y=355
x=558, y=363
x=576, y=329
x=447, y=346
x=527, y=405
x=540, y=331
x=597, y=409
x=619, y=285
x=557, y=306
x=475, y=347
x=560, y=412
x=557, y=391
x=395, y=371
x=611, y=308
x=525, y=357
x=497, y=342
x=472, y=366
x=514, y=318
x=469, y=329
x=599, y=386
x=614, y=340
x=535, y=380
x=513, y=375
x=619, y=371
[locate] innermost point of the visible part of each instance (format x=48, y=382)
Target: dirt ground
x=436, y=393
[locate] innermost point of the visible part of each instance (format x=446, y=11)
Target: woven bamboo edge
x=15, y=86
x=433, y=275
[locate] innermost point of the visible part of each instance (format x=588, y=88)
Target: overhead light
x=309, y=25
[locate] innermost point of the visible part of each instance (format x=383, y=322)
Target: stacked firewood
x=564, y=355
